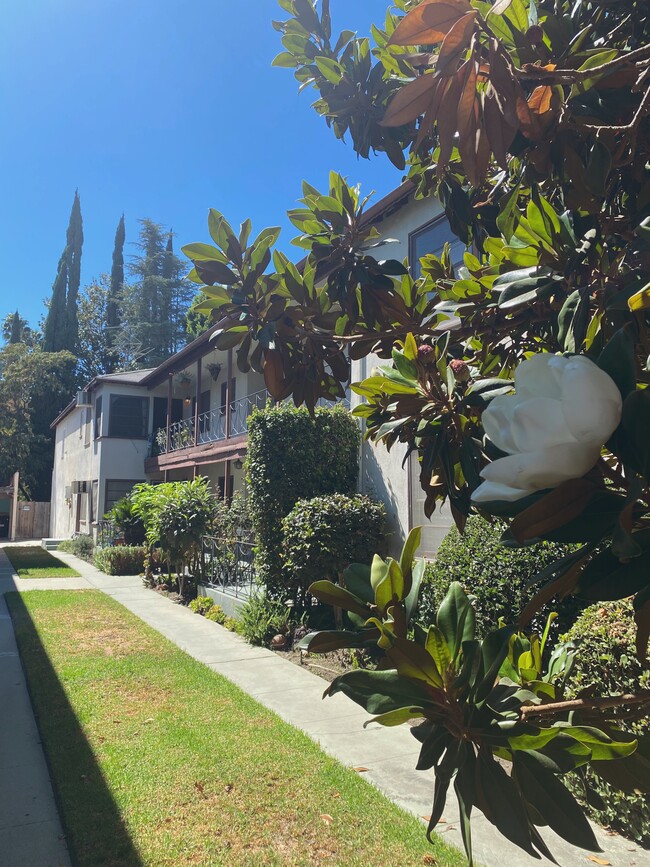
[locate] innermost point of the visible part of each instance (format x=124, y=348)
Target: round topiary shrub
x=607, y=660
x=322, y=536
x=495, y=575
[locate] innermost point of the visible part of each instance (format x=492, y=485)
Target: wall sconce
x=238, y=464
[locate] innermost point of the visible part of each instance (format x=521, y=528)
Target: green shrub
x=495, y=575
x=322, y=536
x=290, y=457
x=127, y=523
x=176, y=515
x=216, y=614
x=231, y=624
x=206, y=606
x=121, y=560
x=261, y=618
x=607, y=660
x=201, y=605
x=80, y=546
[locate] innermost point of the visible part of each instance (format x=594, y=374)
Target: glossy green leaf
x=379, y=691
x=334, y=594
x=456, y=619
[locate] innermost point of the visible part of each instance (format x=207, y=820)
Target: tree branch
x=560, y=707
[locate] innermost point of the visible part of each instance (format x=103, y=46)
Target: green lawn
x=32, y=561
x=157, y=760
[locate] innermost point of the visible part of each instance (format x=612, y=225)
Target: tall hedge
x=323, y=536
x=292, y=457
x=498, y=577
x=607, y=661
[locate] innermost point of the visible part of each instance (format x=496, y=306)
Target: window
x=117, y=489
x=98, y=417
x=87, y=422
x=160, y=412
x=129, y=417
x=94, y=502
x=431, y=239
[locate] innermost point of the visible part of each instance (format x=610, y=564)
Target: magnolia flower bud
x=552, y=428
x=426, y=354
x=460, y=370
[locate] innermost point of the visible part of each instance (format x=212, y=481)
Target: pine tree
x=74, y=238
x=54, y=329
x=16, y=328
x=117, y=283
x=61, y=328
x=156, y=303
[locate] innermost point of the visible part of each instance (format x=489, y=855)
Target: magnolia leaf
x=553, y=801
x=429, y=22
x=327, y=641
x=410, y=101
x=412, y=661
x=557, y=508
x=396, y=717
x=390, y=589
x=456, y=41
x=618, y=359
x=456, y=619
x=333, y=594
x=408, y=555
x=379, y=692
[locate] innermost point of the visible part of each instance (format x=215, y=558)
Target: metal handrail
x=212, y=424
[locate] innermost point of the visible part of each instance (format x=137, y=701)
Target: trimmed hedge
x=324, y=535
x=292, y=456
x=607, y=659
x=121, y=560
x=495, y=575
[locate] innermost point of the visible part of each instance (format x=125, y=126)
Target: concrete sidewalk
x=30, y=831
x=336, y=724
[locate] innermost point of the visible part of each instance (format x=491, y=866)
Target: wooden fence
x=32, y=520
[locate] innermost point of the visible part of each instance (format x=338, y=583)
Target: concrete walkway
x=30, y=830
x=336, y=724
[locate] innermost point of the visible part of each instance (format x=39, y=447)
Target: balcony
x=212, y=427
x=216, y=425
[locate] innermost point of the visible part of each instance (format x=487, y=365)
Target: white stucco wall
x=382, y=475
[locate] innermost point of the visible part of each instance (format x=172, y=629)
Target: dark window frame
x=144, y=400
x=425, y=227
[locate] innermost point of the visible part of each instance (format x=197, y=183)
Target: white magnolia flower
x=552, y=428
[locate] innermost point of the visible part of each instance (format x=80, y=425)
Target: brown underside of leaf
x=455, y=42
x=429, y=22
x=411, y=101
x=554, y=510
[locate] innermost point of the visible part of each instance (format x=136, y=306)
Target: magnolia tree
x=520, y=379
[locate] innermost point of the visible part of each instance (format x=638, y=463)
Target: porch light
x=238, y=464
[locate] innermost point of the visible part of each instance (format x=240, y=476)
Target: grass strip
x=157, y=760
x=33, y=561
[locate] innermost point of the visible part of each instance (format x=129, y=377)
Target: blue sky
x=157, y=109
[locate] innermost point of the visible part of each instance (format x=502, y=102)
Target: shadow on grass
x=95, y=832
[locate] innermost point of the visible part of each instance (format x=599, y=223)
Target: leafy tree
x=530, y=124
x=34, y=387
x=97, y=352
x=155, y=304
x=113, y=317
x=195, y=322
x=61, y=328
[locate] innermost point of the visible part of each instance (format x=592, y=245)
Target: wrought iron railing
x=107, y=533
x=228, y=564
x=212, y=424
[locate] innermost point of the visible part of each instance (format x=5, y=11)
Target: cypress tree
x=117, y=283
x=54, y=330
x=61, y=330
x=74, y=238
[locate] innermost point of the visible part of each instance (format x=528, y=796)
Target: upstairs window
x=431, y=238
x=128, y=417
x=98, y=417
